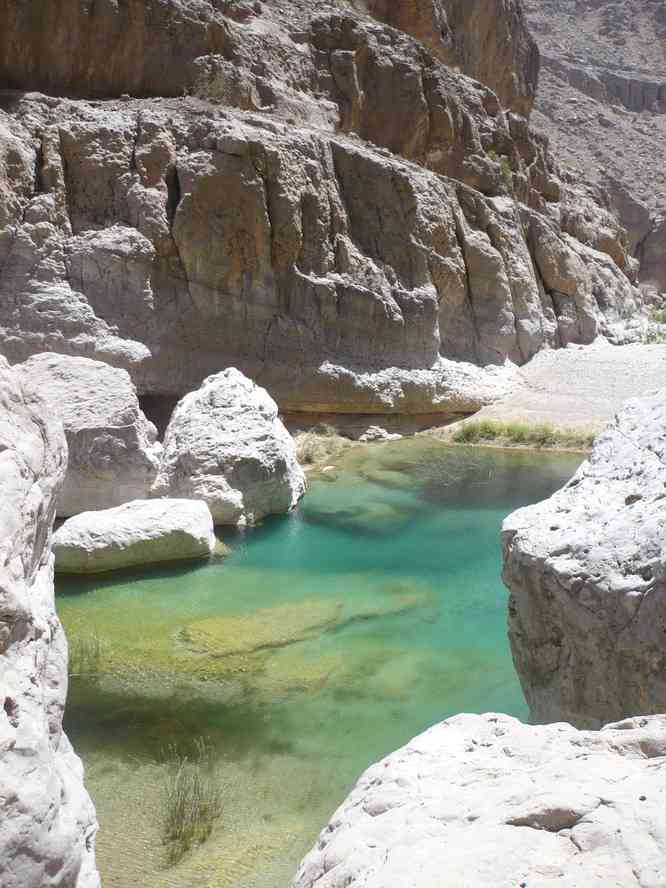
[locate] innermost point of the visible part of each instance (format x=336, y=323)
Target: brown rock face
x=333, y=209
x=105, y=48
x=487, y=40
x=602, y=101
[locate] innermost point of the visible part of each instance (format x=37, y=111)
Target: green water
x=375, y=610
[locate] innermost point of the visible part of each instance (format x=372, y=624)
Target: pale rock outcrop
x=113, y=452
x=139, y=532
x=226, y=445
x=587, y=574
x=483, y=801
x=48, y=824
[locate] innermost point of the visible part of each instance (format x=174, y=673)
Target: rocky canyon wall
x=48, y=825
x=602, y=101
x=318, y=198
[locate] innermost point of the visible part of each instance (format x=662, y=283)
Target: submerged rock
x=48, y=824
x=113, y=451
x=285, y=624
x=587, y=574
x=140, y=532
x=226, y=445
x=488, y=802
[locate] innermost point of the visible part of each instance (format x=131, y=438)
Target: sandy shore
x=581, y=387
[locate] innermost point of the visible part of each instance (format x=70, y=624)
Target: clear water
x=375, y=610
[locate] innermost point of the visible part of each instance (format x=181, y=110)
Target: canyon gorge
x=222, y=221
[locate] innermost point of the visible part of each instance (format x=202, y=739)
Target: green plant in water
x=85, y=655
x=192, y=800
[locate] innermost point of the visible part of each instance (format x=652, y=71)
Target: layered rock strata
x=226, y=445
x=333, y=208
x=586, y=571
x=485, y=801
x=136, y=533
x=602, y=101
x=114, y=456
x=48, y=825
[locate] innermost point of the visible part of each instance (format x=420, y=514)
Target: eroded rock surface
x=139, y=532
x=225, y=445
x=114, y=456
x=586, y=571
x=483, y=801
x=48, y=825
x=602, y=101
x=333, y=208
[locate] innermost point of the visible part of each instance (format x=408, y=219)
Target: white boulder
x=226, y=445
x=484, y=801
x=587, y=574
x=140, y=532
x=113, y=450
x=47, y=821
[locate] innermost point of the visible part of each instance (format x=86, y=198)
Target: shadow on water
x=143, y=726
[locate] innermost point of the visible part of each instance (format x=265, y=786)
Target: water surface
x=326, y=639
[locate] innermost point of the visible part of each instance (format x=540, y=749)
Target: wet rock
x=586, y=573
x=226, y=446
x=136, y=533
x=487, y=801
x=48, y=824
x=113, y=452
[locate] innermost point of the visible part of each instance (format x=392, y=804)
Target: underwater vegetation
x=192, y=800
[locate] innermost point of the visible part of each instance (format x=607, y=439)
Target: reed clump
x=542, y=435
x=192, y=800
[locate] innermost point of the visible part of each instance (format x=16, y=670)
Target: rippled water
x=325, y=640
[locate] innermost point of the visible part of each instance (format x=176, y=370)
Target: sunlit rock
x=138, y=532
x=48, y=824
x=113, y=451
x=226, y=445
x=586, y=571
x=485, y=801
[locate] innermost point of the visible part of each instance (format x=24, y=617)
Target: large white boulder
x=140, y=532
x=226, y=445
x=587, y=574
x=113, y=450
x=47, y=821
x=484, y=801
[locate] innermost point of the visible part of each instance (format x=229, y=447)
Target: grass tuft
x=542, y=435
x=192, y=803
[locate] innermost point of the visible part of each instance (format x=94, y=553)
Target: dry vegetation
x=320, y=446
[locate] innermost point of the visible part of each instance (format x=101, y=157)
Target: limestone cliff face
x=586, y=573
x=47, y=828
x=602, y=101
x=334, y=209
